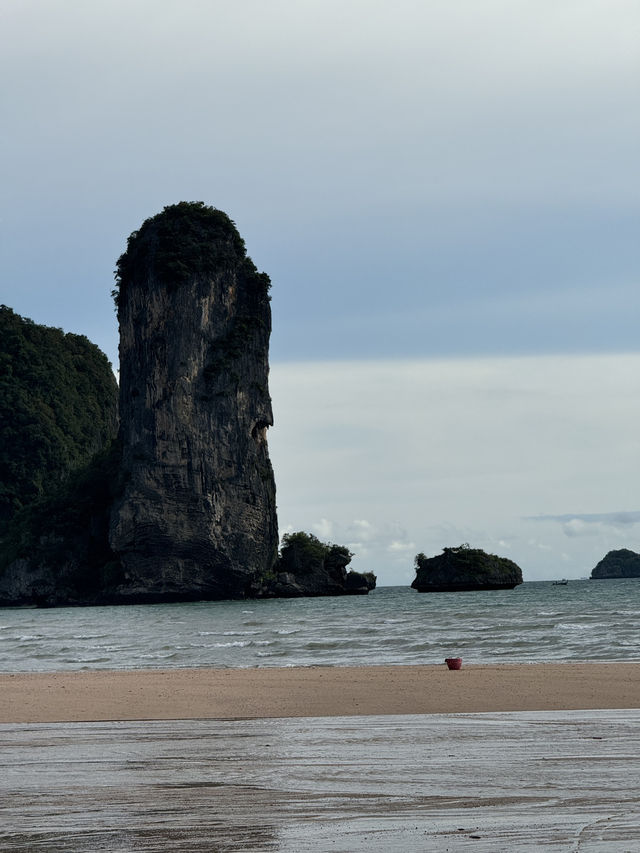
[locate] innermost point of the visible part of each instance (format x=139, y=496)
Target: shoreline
x=315, y=691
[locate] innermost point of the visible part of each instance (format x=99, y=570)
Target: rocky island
x=308, y=567
x=622, y=563
x=463, y=569
x=179, y=505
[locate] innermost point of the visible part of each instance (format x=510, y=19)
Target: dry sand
x=314, y=691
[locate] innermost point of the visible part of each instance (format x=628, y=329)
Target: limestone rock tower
x=197, y=516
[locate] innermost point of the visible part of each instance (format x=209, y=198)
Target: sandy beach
x=314, y=691
x=522, y=757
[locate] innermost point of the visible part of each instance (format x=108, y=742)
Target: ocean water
x=537, y=621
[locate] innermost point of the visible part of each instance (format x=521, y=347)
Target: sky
x=446, y=197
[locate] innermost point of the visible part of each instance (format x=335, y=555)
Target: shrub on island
x=307, y=566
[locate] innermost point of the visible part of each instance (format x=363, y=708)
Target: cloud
x=615, y=519
x=323, y=529
x=362, y=529
x=542, y=546
x=401, y=547
x=578, y=527
x=591, y=524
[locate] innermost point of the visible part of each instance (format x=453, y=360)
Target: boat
x=563, y=582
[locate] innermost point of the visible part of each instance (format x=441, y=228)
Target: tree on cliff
x=58, y=407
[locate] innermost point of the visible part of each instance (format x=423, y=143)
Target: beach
x=315, y=691
x=520, y=757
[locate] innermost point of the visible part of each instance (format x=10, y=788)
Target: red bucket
x=453, y=663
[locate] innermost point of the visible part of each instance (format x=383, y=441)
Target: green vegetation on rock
x=58, y=407
x=185, y=240
x=307, y=566
x=302, y=553
x=65, y=534
x=464, y=568
x=622, y=563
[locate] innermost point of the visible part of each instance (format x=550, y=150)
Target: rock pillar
x=197, y=517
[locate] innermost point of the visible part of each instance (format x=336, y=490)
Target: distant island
x=622, y=563
x=464, y=569
x=161, y=489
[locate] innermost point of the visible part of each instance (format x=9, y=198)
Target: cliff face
x=464, y=569
x=622, y=563
x=197, y=517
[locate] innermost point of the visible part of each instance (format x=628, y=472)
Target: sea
x=535, y=622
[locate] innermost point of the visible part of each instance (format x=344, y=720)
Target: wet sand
x=181, y=694
x=523, y=757
x=523, y=781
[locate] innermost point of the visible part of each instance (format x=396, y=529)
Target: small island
x=622, y=563
x=308, y=567
x=465, y=569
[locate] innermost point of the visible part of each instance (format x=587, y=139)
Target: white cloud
x=363, y=528
x=323, y=529
x=542, y=546
x=611, y=519
x=603, y=524
x=401, y=547
x=577, y=527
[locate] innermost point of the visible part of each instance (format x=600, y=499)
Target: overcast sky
x=446, y=197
